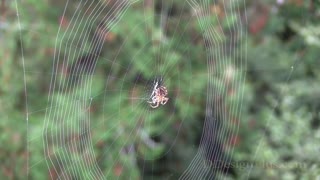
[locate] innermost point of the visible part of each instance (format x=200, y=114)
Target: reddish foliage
x=252, y=123
x=110, y=37
x=52, y=174
x=235, y=121
x=257, y=24
x=297, y=2
x=218, y=10
x=100, y=144
x=63, y=22
x=8, y=172
x=235, y=140
x=231, y=92
x=118, y=170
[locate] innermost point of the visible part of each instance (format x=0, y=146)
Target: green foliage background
x=279, y=120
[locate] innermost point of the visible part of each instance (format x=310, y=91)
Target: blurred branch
x=3, y=8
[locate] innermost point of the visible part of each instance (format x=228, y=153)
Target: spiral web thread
x=62, y=118
x=218, y=126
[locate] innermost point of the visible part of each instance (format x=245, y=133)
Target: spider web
x=72, y=132
x=69, y=127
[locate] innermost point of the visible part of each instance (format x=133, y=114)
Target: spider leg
x=151, y=94
x=153, y=98
x=164, y=101
x=155, y=106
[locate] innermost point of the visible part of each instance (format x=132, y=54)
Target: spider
x=158, y=96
